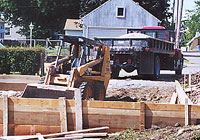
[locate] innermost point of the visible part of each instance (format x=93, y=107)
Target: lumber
x=57, y=134
x=174, y=98
x=90, y=135
x=67, y=138
x=5, y=115
x=78, y=110
x=63, y=114
x=186, y=112
x=181, y=94
x=142, y=116
x=40, y=137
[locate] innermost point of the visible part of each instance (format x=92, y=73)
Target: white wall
x=13, y=33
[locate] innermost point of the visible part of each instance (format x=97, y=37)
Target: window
x=120, y=12
x=7, y=31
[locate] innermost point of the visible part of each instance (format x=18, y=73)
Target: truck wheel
x=115, y=73
x=157, y=67
x=180, y=68
x=99, y=91
x=86, y=90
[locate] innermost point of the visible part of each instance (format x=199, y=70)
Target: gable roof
x=73, y=24
x=108, y=2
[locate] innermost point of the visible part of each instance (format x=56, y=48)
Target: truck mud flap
x=146, y=63
x=48, y=91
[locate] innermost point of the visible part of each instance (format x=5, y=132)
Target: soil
x=169, y=133
x=140, y=90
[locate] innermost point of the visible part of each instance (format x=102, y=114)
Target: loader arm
x=82, y=69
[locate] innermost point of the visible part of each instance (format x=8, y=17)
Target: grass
x=53, y=52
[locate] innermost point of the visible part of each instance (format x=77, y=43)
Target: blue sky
x=188, y=5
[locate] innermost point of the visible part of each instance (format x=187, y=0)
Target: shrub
x=24, y=60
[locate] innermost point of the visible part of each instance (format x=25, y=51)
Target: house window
x=7, y=31
x=120, y=12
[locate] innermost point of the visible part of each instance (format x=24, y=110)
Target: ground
x=130, y=87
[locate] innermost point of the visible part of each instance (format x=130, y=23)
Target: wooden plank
x=111, y=104
x=63, y=114
x=181, y=94
x=186, y=112
x=78, y=110
x=40, y=137
x=142, y=116
x=174, y=98
x=165, y=107
x=59, y=134
x=5, y=115
x=113, y=121
x=170, y=114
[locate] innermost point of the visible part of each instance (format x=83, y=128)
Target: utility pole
x=31, y=33
x=173, y=9
x=179, y=17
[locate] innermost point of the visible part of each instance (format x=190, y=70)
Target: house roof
x=73, y=24
x=108, y=2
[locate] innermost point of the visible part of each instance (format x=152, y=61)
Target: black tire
x=115, y=73
x=86, y=90
x=156, y=68
x=180, y=68
x=99, y=91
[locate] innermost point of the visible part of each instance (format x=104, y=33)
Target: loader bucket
x=48, y=91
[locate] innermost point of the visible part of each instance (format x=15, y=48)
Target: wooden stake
x=63, y=114
x=5, y=115
x=190, y=79
x=186, y=112
x=78, y=110
x=142, y=116
x=184, y=81
x=174, y=98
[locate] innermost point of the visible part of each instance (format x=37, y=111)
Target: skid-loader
x=87, y=68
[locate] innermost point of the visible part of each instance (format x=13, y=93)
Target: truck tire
x=115, y=73
x=86, y=90
x=180, y=68
x=99, y=91
x=156, y=68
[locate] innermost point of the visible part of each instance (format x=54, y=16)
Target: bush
x=24, y=60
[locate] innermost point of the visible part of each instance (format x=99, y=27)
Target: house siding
x=105, y=16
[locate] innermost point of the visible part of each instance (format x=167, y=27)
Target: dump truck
x=87, y=68
x=147, y=55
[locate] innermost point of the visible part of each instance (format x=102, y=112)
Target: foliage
x=47, y=16
x=159, y=8
x=24, y=60
x=192, y=24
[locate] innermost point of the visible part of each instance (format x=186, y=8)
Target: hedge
x=23, y=60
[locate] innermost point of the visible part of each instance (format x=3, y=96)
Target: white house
x=2, y=29
x=73, y=27
x=11, y=32
x=115, y=17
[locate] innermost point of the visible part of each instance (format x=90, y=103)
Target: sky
x=188, y=5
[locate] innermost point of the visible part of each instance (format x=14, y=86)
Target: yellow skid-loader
x=87, y=68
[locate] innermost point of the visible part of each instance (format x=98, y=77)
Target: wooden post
x=63, y=114
x=186, y=112
x=78, y=110
x=5, y=115
x=184, y=81
x=190, y=79
x=142, y=116
x=42, y=64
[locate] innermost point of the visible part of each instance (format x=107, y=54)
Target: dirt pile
x=138, y=90
x=176, y=132
x=193, y=92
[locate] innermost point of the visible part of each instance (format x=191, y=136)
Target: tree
x=159, y=8
x=192, y=23
x=48, y=16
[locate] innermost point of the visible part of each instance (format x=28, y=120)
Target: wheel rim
x=101, y=94
x=88, y=93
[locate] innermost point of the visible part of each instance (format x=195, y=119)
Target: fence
x=23, y=116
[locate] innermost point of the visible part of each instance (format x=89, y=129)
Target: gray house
x=115, y=17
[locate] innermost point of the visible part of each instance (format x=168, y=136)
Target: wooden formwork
x=23, y=116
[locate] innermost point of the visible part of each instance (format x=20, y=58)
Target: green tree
x=159, y=8
x=192, y=23
x=48, y=16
